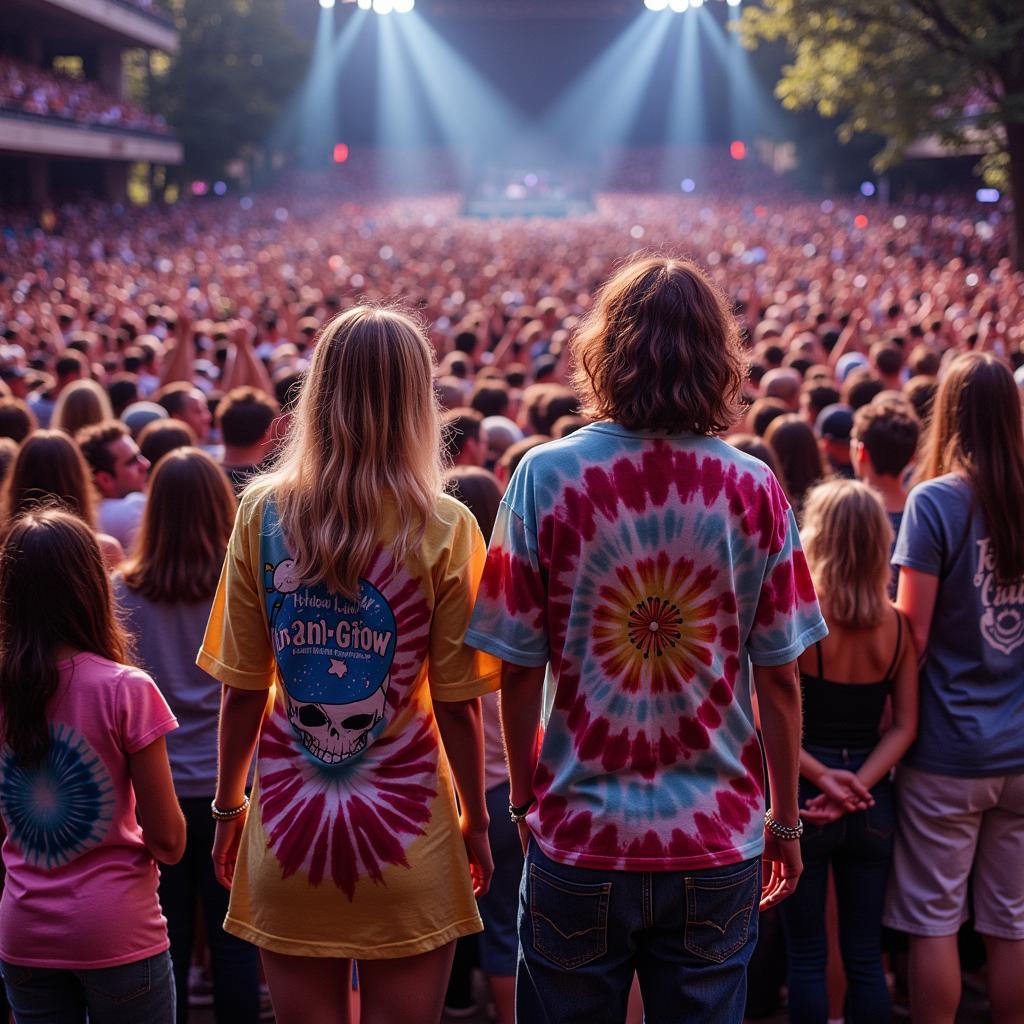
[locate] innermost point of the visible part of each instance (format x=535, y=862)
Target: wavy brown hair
x=660, y=350
x=366, y=431
x=180, y=546
x=50, y=470
x=53, y=592
x=976, y=431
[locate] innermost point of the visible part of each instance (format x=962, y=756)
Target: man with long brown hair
x=648, y=563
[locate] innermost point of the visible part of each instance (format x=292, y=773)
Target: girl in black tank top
x=852, y=740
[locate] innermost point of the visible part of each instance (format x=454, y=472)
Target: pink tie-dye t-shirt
x=649, y=571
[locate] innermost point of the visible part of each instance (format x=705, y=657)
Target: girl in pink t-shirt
x=86, y=797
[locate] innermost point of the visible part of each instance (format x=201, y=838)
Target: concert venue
x=512, y=510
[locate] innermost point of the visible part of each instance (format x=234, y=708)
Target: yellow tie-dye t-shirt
x=352, y=845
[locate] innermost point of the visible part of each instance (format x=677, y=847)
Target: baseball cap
x=835, y=422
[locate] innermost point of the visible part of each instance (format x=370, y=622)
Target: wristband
x=220, y=814
x=781, y=831
x=517, y=814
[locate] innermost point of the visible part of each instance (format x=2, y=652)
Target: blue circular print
x=59, y=809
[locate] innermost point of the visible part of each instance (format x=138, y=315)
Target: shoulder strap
x=899, y=645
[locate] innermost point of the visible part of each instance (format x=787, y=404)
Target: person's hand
x=821, y=810
x=481, y=863
x=225, y=849
x=781, y=869
x=845, y=789
x=242, y=333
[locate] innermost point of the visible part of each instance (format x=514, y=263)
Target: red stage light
x=738, y=150
x=340, y=153
x=860, y=221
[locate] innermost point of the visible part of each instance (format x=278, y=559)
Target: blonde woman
x=348, y=582
x=81, y=404
x=867, y=660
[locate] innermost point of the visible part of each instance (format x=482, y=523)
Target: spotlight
x=734, y=3
x=404, y=6
x=656, y=5
x=383, y=6
x=987, y=195
x=326, y=4
x=696, y=3
x=340, y=153
x=738, y=150
x=679, y=5
x=688, y=184
x=364, y=5
x=867, y=188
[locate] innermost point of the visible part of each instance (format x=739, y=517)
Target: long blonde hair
x=846, y=537
x=366, y=428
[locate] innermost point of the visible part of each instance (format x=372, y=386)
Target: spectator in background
x=460, y=430
x=71, y=366
x=861, y=387
x=797, y=455
x=48, y=469
x=499, y=434
x=887, y=362
x=762, y=414
x=490, y=398
x=82, y=403
x=119, y=471
x=883, y=445
x=815, y=397
x=833, y=428
x=186, y=403
x=246, y=417
x=783, y=384
x=166, y=589
x=8, y=453
x=17, y=420
x=163, y=436
x=753, y=445
x=920, y=392
x=123, y=391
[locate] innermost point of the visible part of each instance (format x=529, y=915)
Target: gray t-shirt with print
x=972, y=677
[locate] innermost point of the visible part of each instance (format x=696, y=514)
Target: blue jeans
x=688, y=935
x=141, y=992
x=858, y=847
x=190, y=885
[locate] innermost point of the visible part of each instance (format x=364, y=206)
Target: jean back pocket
x=718, y=912
x=570, y=919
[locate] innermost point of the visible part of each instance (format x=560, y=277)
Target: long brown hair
x=660, y=350
x=53, y=592
x=50, y=469
x=366, y=433
x=797, y=456
x=977, y=431
x=180, y=545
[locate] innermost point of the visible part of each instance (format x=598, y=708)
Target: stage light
x=734, y=3
x=656, y=5
x=738, y=150
x=326, y=4
x=679, y=5
x=364, y=5
x=219, y=188
x=200, y=188
x=383, y=6
x=687, y=184
x=861, y=222
x=340, y=153
x=696, y=3
x=404, y=6
x=987, y=195
x=867, y=189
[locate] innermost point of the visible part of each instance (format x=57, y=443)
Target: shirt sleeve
x=455, y=670
x=787, y=620
x=143, y=715
x=920, y=544
x=509, y=619
x=236, y=648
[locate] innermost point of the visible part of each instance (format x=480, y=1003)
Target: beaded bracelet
x=781, y=831
x=517, y=814
x=227, y=815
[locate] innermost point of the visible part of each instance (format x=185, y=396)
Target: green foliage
x=239, y=62
x=904, y=69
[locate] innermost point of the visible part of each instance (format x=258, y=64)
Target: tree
x=238, y=63
x=907, y=69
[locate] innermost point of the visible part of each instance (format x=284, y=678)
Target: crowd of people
x=789, y=471
x=46, y=92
